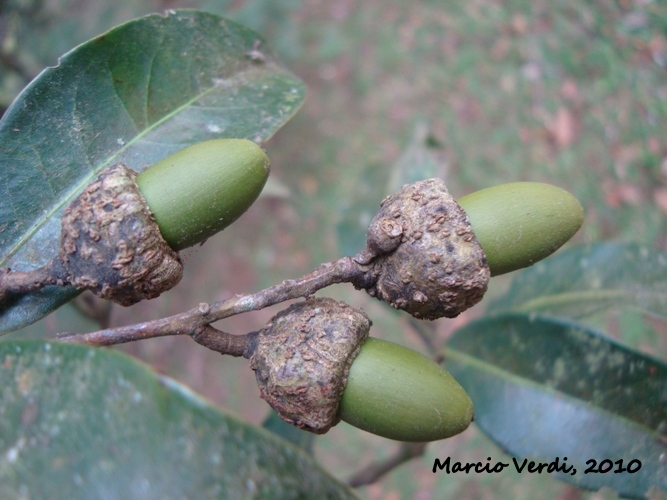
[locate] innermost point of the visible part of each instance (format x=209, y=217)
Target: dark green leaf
x=544, y=388
x=78, y=422
x=134, y=95
x=585, y=280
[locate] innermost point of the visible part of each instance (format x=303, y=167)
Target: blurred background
x=478, y=92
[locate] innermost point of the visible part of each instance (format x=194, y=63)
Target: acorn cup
x=121, y=236
x=110, y=244
x=302, y=358
x=426, y=258
x=315, y=366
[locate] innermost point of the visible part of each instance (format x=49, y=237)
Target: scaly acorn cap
x=202, y=189
x=400, y=394
x=110, y=244
x=424, y=255
x=302, y=357
x=520, y=223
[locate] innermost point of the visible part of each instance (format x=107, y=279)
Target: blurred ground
x=478, y=91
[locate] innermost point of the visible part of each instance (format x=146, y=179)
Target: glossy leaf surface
x=588, y=279
x=544, y=388
x=78, y=422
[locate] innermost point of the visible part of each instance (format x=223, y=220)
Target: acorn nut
x=202, y=189
x=520, y=223
x=400, y=394
x=120, y=237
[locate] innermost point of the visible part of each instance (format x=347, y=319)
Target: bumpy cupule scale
x=302, y=358
x=424, y=255
x=111, y=245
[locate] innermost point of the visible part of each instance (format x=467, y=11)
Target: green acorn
x=315, y=365
x=400, y=394
x=432, y=256
x=120, y=237
x=520, y=223
x=202, y=189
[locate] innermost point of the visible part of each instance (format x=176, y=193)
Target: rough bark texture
x=111, y=244
x=425, y=256
x=303, y=357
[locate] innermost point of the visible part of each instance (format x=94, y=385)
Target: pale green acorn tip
x=520, y=223
x=202, y=189
x=400, y=394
